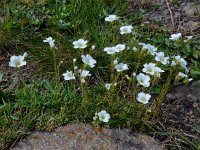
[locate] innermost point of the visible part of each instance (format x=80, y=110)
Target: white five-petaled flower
x=69, y=75
x=126, y=29
x=110, y=50
x=17, y=61
x=50, y=40
x=84, y=73
x=121, y=67
x=104, y=116
x=175, y=37
x=143, y=80
x=143, y=98
x=181, y=61
x=188, y=38
x=157, y=71
x=120, y=47
x=108, y=86
x=111, y=18
x=160, y=56
x=87, y=59
x=182, y=75
x=81, y=43
x=151, y=49
x=149, y=68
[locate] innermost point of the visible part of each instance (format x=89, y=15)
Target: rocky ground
x=179, y=116
x=180, y=15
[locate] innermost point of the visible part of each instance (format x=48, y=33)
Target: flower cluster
x=115, y=49
x=147, y=73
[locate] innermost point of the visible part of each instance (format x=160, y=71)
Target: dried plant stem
x=171, y=13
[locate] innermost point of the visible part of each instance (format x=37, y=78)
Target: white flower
x=82, y=80
x=110, y=50
x=181, y=61
x=93, y=47
x=149, y=68
x=81, y=43
x=108, y=86
x=143, y=98
x=160, y=56
x=126, y=29
x=104, y=116
x=74, y=60
x=115, y=62
x=88, y=60
x=134, y=74
x=189, y=37
x=182, y=75
x=17, y=61
x=95, y=117
x=25, y=54
x=75, y=67
x=173, y=63
x=111, y=18
x=121, y=67
x=50, y=40
x=151, y=49
x=190, y=79
x=135, y=49
x=69, y=75
x=128, y=77
x=175, y=37
x=157, y=71
x=120, y=47
x=143, y=80
x=84, y=73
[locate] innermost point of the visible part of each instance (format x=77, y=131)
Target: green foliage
x=33, y=106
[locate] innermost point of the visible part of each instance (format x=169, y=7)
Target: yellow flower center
x=17, y=64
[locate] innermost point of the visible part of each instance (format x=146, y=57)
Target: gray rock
x=189, y=10
x=87, y=137
x=193, y=25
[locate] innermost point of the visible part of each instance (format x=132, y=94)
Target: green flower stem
x=145, y=120
x=162, y=93
x=154, y=82
x=112, y=67
x=132, y=83
x=112, y=90
x=21, y=77
x=84, y=90
x=57, y=75
x=82, y=51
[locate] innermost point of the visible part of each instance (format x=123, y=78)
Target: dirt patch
x=180, y=114
x=181, y=16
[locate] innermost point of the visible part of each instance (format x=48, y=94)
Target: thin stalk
x=57, y=75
